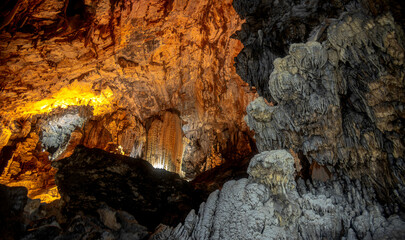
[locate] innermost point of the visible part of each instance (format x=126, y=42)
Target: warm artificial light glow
x=76, y=94
x=34, y=191
x=49, y=195
x=120, y=150
x=158, y=165
x=165, y=143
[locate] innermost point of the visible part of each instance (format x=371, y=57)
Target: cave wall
x=328, y=126
x=339, y=103
x=123, y=63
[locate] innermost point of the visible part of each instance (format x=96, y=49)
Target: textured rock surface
x=57, y=133
x=29, y=167
x=251, y=209
x=91, y=176
x=272, y=26
x=108, y=223
x=341, y=103
x=165, y=143
x=275, y=169
x=337, y=103
x=332, y=77
x=214, y=178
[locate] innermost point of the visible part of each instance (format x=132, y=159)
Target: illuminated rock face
x=131, y=61
x=165, y=143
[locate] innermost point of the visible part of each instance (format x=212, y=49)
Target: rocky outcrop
x=23, y=218
x=101, y=180
x=336, y=103
x=27, y=166
x=270, y=205
x=99, y=73
x=91, y=177
x=328, y=127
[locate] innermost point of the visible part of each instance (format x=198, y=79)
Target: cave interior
x=172, y=119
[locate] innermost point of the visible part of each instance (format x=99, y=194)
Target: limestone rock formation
x=91, y=177
x=155, y=79
x=336, y=101
x=251, y=209
x=275, y=169
x=272, y=26
x=165, y=143
x=56, y=133
x=29, y=167
x=340, y=103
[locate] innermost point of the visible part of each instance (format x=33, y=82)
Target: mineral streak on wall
x=165, y=143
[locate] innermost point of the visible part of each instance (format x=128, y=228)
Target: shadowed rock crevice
x=12, y=203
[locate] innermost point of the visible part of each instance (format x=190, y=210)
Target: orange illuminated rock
x=165, y=143
x=141, y=58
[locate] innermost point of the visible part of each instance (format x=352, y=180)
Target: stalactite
x=165, y=143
